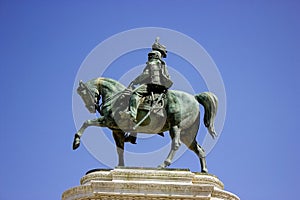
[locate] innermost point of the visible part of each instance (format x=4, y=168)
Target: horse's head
x=94, y=89
x=90, y=96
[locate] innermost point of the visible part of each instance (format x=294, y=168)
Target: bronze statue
x=153, y=108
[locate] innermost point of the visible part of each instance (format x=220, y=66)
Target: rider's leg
x=133, y=105
x=135, y=100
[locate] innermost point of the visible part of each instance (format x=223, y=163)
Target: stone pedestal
x=148, y=183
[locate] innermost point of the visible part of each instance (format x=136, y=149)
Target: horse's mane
x=109, y=83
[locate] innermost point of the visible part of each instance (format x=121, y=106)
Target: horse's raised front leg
x=119, y=138
x=175, y=135
x=93, y=122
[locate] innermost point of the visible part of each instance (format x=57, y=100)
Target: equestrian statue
x=148, y=106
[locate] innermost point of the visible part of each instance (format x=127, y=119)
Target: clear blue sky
x=255, y=45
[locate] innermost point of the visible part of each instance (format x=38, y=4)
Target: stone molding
x=124, y=183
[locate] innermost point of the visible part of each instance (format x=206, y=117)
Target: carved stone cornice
x=124, y=183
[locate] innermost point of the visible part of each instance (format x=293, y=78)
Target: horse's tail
x=210, y=103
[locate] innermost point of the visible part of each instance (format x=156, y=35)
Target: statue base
x=148, y=183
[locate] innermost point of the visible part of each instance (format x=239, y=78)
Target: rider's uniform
x=154, y=79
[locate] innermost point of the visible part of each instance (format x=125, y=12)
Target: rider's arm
x=165, y=71
x=167, y=82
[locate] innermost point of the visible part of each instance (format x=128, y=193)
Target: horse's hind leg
x=195, y=147
x=201, y=154
x=175, y=135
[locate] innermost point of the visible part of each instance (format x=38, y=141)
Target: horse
x=180, y=116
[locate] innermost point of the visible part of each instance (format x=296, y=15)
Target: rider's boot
x=131, y=137
x=161, y=134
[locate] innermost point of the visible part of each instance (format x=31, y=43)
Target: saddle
x=149, y=104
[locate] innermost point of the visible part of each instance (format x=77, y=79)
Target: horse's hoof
x=161, y=166
x=76, y=143
x=204, y=171
x=164, y=165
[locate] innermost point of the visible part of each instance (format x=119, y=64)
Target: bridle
x=88, y=97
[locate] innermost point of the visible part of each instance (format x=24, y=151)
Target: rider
x=154, y=79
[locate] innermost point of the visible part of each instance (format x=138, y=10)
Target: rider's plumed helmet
x=159, y=47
